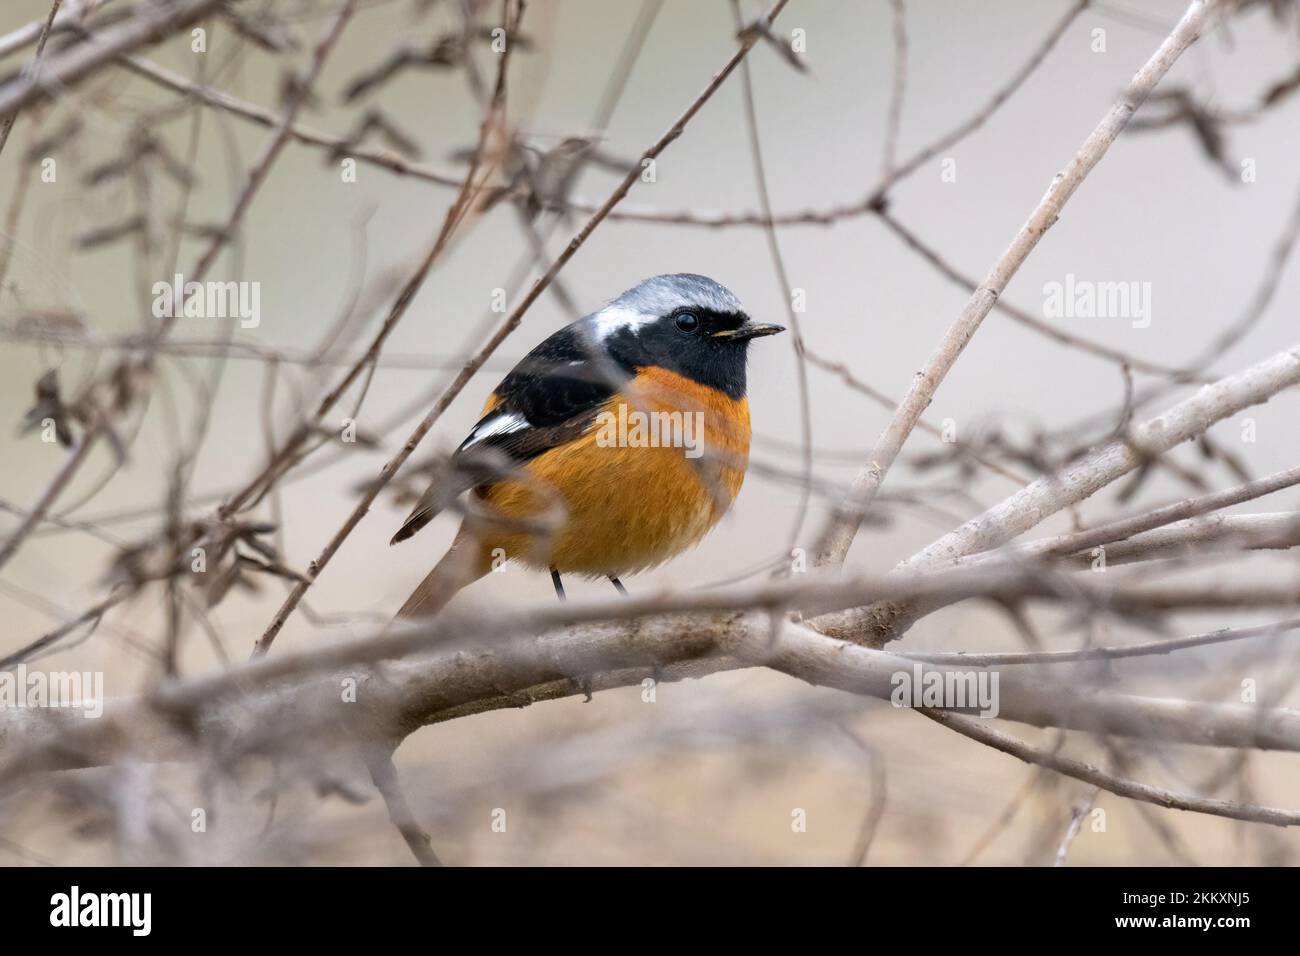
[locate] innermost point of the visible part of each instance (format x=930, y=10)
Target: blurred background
x=713, y=770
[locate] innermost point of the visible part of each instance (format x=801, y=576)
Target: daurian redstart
x=614, y=445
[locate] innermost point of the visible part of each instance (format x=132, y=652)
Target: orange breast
x=662, y=464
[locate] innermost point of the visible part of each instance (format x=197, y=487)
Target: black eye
x=687, y=322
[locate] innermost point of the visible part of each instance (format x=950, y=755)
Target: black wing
x=551, y=397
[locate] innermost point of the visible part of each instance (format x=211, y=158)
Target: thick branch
x=263, y=704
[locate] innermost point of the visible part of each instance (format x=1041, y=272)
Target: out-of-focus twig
x=7, y=123
x=148, y=25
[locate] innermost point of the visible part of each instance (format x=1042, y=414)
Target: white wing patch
x=501, y=423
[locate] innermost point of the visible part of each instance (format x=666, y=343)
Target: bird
x=616, y=444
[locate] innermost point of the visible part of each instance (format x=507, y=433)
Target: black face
x=705, y=346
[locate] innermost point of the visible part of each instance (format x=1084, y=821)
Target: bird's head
x=684, y=323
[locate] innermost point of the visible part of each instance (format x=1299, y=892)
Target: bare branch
x=835, y=540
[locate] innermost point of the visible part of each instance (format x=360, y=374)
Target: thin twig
x=1146, y=649
x=7, y=123
x=834, y=542
x=1120, y=786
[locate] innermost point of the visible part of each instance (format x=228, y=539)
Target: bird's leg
x=618, y=585
x=584, y=683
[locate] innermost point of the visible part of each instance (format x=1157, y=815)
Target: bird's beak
x=749, y=330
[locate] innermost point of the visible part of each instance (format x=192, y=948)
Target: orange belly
x=632, y=491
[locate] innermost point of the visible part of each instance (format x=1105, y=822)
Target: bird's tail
x=464, y=563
